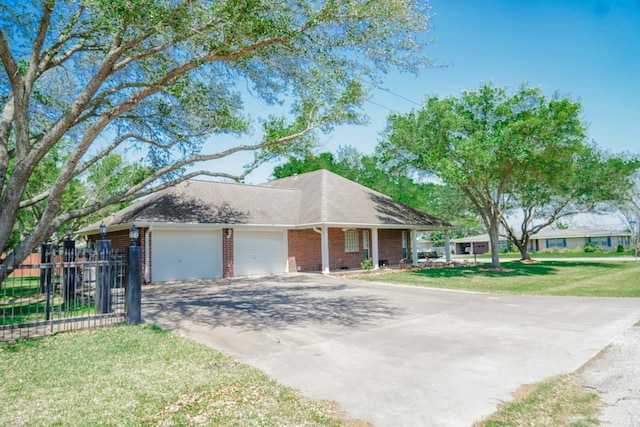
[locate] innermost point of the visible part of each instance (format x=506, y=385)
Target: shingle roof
x=196, y=201
x=314, y=198
x=329, y=198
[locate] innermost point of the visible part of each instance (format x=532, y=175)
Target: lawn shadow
x=262, y=303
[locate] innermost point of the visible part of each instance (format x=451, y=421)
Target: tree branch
x=9, y=62
x=34, y=61
x=35, y=199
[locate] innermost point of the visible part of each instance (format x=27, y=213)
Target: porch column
x=324, y=242
x=414, y=248
x=374, y=248
x=447, y=246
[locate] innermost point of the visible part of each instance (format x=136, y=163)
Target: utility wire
x=399, y=96
x=381, y=106
x=394, y=94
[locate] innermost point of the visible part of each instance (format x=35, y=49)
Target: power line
x=381, y=106
x=399, y=96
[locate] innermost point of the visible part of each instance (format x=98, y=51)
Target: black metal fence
x=67, y=289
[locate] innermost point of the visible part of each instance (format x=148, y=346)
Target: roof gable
x=331, y=198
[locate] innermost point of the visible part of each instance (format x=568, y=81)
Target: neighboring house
x=426, y=248
x=550, y=240
x=316, y=221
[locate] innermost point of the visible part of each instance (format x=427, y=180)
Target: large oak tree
x=154, y=79
x=506, y=152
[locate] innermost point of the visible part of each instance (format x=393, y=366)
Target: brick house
x=316, y=221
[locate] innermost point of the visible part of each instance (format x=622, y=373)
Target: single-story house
x=549, y=239
x=317, y=221
x=427, y=249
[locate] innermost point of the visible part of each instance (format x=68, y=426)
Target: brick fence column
x=227, y=253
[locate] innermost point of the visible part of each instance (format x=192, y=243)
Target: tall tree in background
x=154, y=80
x=584, y=180
x=505, y=152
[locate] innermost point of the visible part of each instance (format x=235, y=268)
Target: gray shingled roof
x=329, y=198
x=210, y=202
x=314, y=198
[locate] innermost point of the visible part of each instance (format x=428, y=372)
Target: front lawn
x=561, y=278
x=142, y=375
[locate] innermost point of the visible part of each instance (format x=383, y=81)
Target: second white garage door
x=259, y=252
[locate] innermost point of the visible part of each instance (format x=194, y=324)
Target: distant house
x=549, y=239
x=316, y=221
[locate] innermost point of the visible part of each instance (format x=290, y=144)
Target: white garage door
x=185, y=255
x=259, y=252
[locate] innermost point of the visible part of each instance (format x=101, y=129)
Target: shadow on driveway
x=256, y=304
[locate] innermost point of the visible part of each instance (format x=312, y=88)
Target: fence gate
x=65, y=289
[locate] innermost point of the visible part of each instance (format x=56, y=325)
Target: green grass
x=560, y=278
x=558, y=402
x=142, y=375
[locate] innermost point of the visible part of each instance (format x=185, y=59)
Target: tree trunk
x=524, y=253
x=523, y=248
x=494, y=240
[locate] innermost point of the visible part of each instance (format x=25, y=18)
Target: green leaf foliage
x=507, y=152
x=129, y=96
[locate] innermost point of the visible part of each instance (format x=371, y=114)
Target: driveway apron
x=391, y=354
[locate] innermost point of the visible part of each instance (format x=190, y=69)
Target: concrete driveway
x=390, y=354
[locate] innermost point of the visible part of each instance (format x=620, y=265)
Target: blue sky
x=588, y=50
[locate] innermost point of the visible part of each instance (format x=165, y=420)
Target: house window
x=556, y=243
x=405, y=246
x=351, y=241
x=604, y=241
x=365, y=244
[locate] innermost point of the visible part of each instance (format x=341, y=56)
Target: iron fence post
x=70, y=271
x=134, y=285
x=45, y=272
x=103, y=285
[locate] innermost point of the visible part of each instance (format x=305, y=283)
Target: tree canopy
x=86, y=80
x=506, y=152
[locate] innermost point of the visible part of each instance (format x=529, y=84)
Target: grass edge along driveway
x=553, y=278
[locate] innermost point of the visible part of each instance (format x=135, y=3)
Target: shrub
x=589, y=247
x=620, y=248
x=367, y=264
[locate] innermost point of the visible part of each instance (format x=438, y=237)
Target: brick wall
x=120, y=241
x=390, y=246
x=305, y=250
x=338, y=258
x=227, y=253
